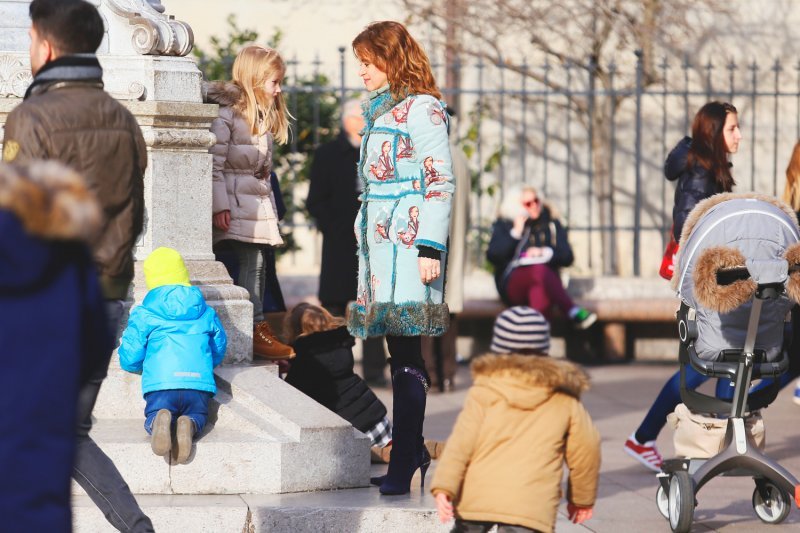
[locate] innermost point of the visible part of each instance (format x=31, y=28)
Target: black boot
x=408, y=450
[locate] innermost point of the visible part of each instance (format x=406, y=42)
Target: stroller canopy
x=728, y=231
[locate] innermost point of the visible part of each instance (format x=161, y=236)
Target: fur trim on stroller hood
x=704, y=206
x=224, y=93
x=526, y=381
x=51, y=201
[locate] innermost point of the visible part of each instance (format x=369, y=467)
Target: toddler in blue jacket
x=174, y=339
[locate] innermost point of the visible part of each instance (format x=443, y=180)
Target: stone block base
x=263, y=436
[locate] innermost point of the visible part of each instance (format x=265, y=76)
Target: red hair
x=390, y=47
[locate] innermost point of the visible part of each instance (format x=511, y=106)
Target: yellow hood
x=165, y=266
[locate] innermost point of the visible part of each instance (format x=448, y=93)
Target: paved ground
x=618, y=399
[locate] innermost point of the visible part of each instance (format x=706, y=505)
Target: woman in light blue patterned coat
x=402, y=227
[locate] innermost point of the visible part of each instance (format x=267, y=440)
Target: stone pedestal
x=263, y=437
x=178, y=210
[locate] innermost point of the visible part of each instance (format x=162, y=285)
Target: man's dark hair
x=71, y=26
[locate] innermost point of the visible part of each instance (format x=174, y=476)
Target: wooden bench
x=620, y=321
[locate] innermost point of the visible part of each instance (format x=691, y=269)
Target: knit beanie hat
x=165, y=266
x=520, y=328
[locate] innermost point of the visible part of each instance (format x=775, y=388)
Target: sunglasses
x=529, y=203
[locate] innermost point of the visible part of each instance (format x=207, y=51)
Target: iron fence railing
x=531, y=124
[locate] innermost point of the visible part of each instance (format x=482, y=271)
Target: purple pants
x=539, y=287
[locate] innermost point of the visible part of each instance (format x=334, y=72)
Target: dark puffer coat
x=694, y=184
x=53, y=333
x=323, y=370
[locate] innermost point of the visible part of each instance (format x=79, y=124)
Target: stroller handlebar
x=727, y=276
x=728, y=369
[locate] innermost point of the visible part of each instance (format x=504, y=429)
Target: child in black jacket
x=323, y=370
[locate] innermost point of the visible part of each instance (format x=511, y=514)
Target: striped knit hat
x=521, y=328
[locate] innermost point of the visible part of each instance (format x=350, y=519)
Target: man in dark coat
x=333, y=202
x=66, y=116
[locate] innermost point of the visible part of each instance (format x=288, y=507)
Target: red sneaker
x=646, y=453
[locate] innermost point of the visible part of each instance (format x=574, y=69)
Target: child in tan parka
x=503, y=462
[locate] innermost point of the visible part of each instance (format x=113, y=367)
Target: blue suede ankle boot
x=408, y=450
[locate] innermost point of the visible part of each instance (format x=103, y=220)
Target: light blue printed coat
x=406, y=172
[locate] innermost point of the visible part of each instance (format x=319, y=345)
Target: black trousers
x=406, y=351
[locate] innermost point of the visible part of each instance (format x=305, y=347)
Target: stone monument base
x=263, y=437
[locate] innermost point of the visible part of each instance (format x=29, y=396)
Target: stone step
x=362, y=510
x=352, y=510
x=263, y=436
x=175, y=513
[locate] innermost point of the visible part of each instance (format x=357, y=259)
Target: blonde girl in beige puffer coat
x=252, y=115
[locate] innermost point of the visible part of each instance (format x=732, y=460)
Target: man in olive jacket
x=67, y=116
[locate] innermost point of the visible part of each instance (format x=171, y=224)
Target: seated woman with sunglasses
x=527, y=253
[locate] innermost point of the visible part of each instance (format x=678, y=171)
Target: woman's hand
x=428, y=269
x=222, y=220
x=444, y=506
x=519, y=225
x=578, y=515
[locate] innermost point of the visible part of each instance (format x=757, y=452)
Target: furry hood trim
x=51, y=200
x=224, y=93
x=703, y=207
x=529, y=372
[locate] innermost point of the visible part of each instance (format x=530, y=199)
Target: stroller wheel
x=775, y=507
x=662, y=501
x=681, y=502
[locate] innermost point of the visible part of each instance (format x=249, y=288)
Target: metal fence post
x=754, y=70
x=342, y=85
x=590, y=174
x=777, y=68
x=637, y=214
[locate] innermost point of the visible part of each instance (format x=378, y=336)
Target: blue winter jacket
x=174, y=339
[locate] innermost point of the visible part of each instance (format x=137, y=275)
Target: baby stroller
x=737, y=270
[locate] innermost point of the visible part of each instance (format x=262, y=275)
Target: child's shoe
x=583, y=318
x=267, y=346
x=646, y=453
x=161, y=440
x=183, y=438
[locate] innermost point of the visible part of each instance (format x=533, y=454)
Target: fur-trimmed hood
x=50, y=200
x=526, y=381
x=42, y=206
x=705, y=206
x=224, y=93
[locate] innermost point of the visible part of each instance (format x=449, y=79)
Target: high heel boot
x=408, y=451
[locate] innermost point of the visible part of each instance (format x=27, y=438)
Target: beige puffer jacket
x=521, y=422
x=240, y=172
